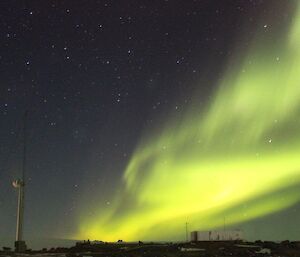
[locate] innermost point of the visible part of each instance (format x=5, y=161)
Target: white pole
x=19, y=232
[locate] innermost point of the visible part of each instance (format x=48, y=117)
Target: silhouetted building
x=215, y=235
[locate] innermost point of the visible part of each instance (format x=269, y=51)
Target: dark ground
x=201, y=249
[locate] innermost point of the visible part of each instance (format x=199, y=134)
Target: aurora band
x=240, y=158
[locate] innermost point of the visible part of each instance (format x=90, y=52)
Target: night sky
x=138, y=110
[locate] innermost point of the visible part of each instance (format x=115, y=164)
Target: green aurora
x=238, y=158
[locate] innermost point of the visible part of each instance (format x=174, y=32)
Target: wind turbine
x=20, y=245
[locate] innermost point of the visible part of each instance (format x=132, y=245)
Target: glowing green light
x=244, y=147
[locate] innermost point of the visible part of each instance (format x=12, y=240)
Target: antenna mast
x=186, y=232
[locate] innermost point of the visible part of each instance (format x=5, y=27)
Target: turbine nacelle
x=18, y=183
